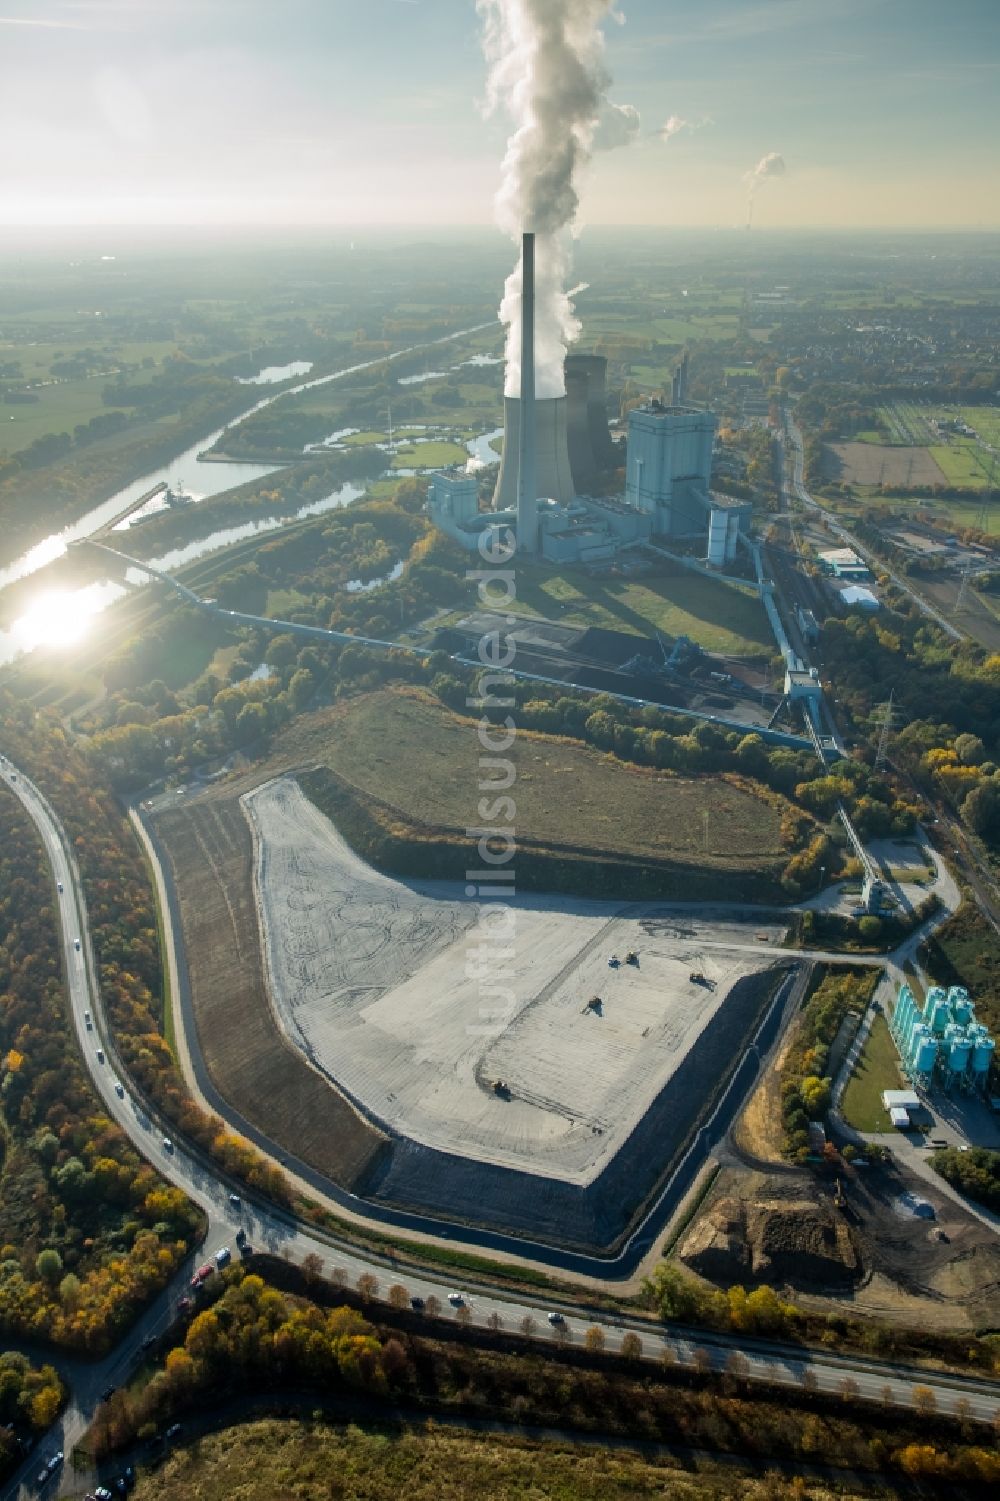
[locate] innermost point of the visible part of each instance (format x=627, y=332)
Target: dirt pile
x=789, y=1242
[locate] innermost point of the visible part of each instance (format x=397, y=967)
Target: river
x=60, y=618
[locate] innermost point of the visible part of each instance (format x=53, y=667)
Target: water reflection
x=271, y=374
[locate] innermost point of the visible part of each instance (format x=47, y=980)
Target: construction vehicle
x=501, y=1088
x=632, y=958
x=595, y=1003
x=614, y=962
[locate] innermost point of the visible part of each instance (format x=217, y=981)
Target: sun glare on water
x=62, y=617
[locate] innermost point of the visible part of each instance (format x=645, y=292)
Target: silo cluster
x=943, y=1042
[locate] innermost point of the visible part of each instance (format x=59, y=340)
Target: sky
x=370, y=112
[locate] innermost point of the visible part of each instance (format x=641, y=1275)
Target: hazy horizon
x=237, y=113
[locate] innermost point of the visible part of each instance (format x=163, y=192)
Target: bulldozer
x=632, y=958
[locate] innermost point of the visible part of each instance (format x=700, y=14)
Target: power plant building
x=558, y=457
x=668, y=472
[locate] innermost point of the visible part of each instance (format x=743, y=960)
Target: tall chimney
x=527, y=488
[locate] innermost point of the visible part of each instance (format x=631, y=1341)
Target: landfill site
x=550, y=1109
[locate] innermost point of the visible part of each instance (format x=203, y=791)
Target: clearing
x=418, y=999
x=877, y=1069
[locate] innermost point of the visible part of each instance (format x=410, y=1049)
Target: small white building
x=900, y=1118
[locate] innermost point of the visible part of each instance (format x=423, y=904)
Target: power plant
x=559, y=462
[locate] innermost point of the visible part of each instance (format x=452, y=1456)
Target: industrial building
x=559, y=459
x=942, y=1043
x=843, y=563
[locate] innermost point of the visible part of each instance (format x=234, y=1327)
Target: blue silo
x=982, y=1057
x=925, y=1056
x=961, y=1006
x=959, y=1054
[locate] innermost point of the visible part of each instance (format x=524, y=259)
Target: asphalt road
x=766, y=1362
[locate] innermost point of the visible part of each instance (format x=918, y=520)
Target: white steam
x=673, y=127
x=771, y=165
x=546, y=70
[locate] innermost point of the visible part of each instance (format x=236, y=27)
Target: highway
x=268, y=1229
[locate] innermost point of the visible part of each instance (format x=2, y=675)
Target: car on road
x=168, y=1145
x=174, y=1431
x=555, y=1319
x=223, y=1256
x=59, y=885
x=100, y=1055
x=236, y=1201
x=202, y=1274
x=76, y=944
x=417, y=1304
x=87, y=1021
x=50, y=1466
x=119, y=1089
x=149, y=1342
x=241, y=1236
x=103, y=1494
x=456, y=1300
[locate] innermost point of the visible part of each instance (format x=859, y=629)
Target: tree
x=594, y=1339
x=398, y=1296
x=631, y=1346
x=49, y=1266
x=527, y=1326
x=432, y=1306
x=312, y=1269
x=367, y=1287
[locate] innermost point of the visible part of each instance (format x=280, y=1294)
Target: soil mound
x=787, y=1242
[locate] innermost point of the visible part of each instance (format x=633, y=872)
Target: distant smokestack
x=527, y=487
x=680, y=382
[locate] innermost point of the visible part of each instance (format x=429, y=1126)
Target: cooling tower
x=553, y=475
x=581, y=453
x=595, y=366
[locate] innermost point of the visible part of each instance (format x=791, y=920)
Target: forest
x=123, y=931
x=294, y=1334
x=89, y=1233
x=31, y=1398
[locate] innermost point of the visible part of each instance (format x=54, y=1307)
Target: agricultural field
x=59, y=408
x=862, y=463
x=962, y=462
x=719, y=617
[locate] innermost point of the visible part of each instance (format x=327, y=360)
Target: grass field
x=962, y=462
x=428, y=456
x=59, y=409
x=717, y=616
x=316, y=1461
x=403, y=748
x=877, y=1069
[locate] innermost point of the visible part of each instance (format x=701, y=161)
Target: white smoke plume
x=546, y=71
x=673, y=127
x=771, y=165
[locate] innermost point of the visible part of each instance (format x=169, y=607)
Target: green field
x=59, y=409
x=963, y=462
x=717, y=616
x=877, y=1069
x=428, y=456
x=405, y=749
